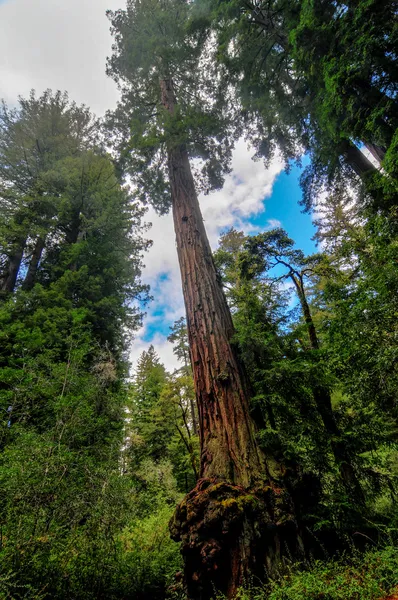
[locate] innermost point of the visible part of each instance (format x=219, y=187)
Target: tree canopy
x=266, y=464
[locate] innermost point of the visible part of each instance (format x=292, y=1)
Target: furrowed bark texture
x=228, y=446
x=234, y=522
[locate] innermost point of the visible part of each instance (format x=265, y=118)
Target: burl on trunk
x=236, y=520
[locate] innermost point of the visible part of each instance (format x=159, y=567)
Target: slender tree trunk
x=298, y=284
x=188, y=370
x=9, y=276
x=217, y=522
x=74, y=234
x=188, y=442
x=30, y=278
x=73, y=229
x=193, y=416
x=323, y=403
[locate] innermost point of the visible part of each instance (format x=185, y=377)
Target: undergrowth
x=369, y=576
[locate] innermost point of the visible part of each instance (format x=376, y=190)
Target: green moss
x=228, y=502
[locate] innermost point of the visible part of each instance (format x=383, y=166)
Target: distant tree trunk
x=30, y=278
x=217, y=521
x=187, y=441
x=193, y=416
x=8, y=278
x=323, y=403
x=357, y=160
x=188, y=370
x=74, y=234
x=299, y=285
x=378, y=152
x=73, y=229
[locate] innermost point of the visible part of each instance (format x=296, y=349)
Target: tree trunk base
x=230, y=534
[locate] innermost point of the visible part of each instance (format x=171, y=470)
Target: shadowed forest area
x=266, y=465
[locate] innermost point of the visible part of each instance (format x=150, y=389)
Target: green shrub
x=371, y=576
x=150, y=558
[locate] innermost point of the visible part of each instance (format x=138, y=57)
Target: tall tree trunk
x=378, y=152
x=384, y=196
x=357, y=160
x=30, y=278
x=228, y=446
x=219, y=522
x=195, y=429
x=9, y=276
x=323, y=403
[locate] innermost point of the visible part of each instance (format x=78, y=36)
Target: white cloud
x=59, y=45
x=162, y=347
x=241, y=198
x=274, y=223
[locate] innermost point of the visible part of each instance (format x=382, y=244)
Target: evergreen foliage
x=62, y=358
x=161, y=424
x=155, y=41
x=308, y=404
x=94, y=459
x=317, y=76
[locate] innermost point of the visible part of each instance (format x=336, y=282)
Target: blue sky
x=279, y=207
x=283, y=205
x=44, y=44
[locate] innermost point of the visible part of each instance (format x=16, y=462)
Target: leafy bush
x=150, y=558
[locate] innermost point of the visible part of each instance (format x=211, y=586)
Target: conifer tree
x=275, y=249
x=318, y=76
x=34, y=138
x=175, y=109
x=179, y=338
x=62, y=351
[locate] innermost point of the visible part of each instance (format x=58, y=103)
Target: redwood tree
x=35, y=137
x=172, y=110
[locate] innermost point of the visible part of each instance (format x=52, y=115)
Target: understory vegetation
x=96, y=455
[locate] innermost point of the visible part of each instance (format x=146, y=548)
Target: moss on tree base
x=229, y=533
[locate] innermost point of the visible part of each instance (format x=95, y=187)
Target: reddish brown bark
x=228, y=446
x=224, y=537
